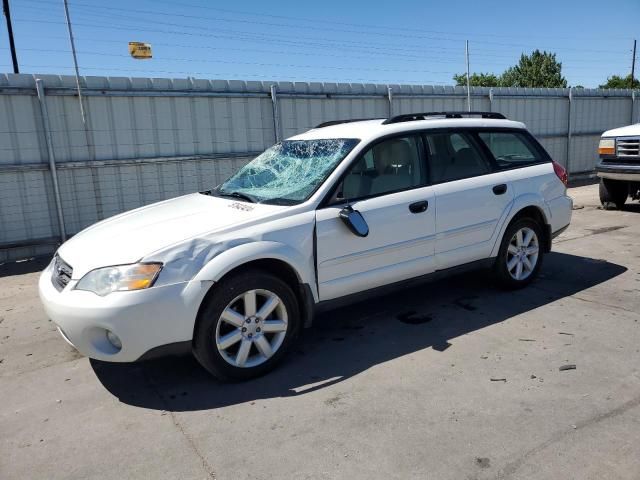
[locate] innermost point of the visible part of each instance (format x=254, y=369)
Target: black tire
x=204, y=343
x=613, y=193
x=501, y=270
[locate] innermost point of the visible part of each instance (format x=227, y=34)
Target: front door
x=388, y=186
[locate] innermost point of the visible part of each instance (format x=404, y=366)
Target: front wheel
x=520, y=256
x=246, y=326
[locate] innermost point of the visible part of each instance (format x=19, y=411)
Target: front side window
x=389, y=166
x=288, y=172
x=453, y=156
x=510, y=149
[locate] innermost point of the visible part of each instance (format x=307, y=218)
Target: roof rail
x=409, y=117
x=338, y=122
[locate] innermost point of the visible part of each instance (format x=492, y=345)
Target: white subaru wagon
x=335, y=213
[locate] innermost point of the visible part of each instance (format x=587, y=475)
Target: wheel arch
x=271, y=257
x=530, y=207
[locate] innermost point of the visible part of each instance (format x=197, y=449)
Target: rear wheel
x=613, y=193
x=246, y=326
x=520, y=255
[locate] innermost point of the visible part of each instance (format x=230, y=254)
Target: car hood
x=629, y=130
x=133, y=235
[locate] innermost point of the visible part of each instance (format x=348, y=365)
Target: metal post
x=75, y=59
x=276, y=113
x=390, y=97
x=491, y=99
x=569, y=132
x=633, y=76
x=52, y=161
x=12, y=45
x=466, y=50
x=633, y=64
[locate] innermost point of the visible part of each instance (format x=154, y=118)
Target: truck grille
x=628, y=147
x=61, y=273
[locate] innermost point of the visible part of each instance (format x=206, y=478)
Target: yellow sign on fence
x=140, y=50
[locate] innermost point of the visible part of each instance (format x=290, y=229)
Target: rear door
x=388, y=186
x=472, y=198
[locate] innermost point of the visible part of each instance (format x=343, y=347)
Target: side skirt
x=386, y=289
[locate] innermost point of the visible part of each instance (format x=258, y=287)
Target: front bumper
x=619, y=171
x=143, y=319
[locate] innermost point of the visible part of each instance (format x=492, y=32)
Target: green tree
x=540, y=69
x=616, y=81
x=478, y=79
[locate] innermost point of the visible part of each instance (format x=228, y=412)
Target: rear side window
x=510, y=149
x=454, y=156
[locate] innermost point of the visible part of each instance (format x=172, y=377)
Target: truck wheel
x=613, y=193
x=246, y=325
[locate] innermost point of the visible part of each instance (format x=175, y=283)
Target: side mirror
x=354, y=221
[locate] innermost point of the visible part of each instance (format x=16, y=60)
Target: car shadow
x=345, y=342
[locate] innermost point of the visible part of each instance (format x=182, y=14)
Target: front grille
x=628, y=147
x=61, y=273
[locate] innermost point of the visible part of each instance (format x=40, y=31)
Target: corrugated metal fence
x=149, y=139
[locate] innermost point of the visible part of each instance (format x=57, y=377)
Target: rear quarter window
x=511, y=149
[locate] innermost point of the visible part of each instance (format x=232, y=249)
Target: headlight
x=607, y=146
x=103, y=281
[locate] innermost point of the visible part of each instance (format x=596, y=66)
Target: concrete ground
x=450, y=380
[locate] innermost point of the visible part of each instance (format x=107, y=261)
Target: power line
x=337, y=22
x=367, y=44
x=238, y=62
x=332, y=47
x=369, y=31
x=258, y=37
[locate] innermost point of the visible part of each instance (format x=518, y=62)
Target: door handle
x=500, y=189
x=419, y=207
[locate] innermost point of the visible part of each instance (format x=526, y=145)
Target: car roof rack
x=409, y=117
x=338, y=122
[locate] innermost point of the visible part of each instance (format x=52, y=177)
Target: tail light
x=561, y=172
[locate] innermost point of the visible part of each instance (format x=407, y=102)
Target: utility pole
x=466, y=50
x=12, y=44
x=75, y=60
x=633, y=64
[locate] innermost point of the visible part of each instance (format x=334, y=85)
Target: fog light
x=114, y=340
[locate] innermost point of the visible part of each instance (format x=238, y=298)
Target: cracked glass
x=288, y=172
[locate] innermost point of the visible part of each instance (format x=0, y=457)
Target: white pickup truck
x=619, y=166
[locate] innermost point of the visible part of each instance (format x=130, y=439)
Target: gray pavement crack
x=511, y=469
x=192, y=445
x=594, y=231
x=582, y=299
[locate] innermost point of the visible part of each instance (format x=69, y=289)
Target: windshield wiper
x=242, y=196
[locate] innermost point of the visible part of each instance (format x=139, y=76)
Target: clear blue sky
x=359, y=41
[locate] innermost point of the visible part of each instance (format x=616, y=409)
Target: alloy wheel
x=251, y=328
x=522, y=253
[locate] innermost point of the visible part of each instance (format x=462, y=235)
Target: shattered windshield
x=288, y=172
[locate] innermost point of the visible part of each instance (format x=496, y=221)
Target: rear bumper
x=559, y=232
x=142, y=320
x=626, y=172
x=561, y=209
